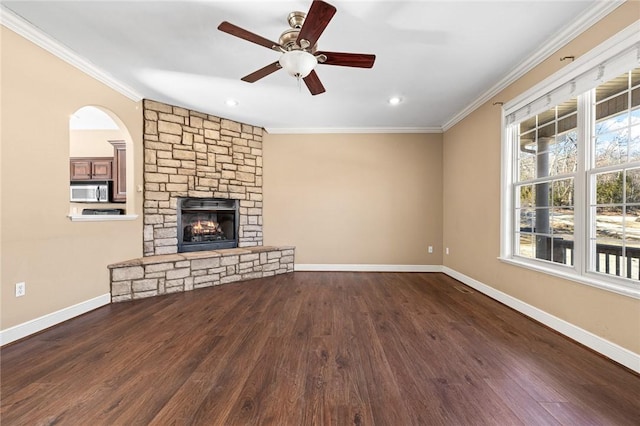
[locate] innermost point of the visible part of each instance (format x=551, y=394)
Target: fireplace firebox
x=207, y=224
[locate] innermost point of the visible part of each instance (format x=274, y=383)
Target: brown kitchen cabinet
x=80, y=169
x=91, y=168
x=101, y=169
x=119, y=171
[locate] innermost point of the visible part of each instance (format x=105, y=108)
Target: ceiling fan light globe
x=298, y=63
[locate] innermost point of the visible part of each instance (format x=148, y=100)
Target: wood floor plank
x=521, y=403
x=310, y=348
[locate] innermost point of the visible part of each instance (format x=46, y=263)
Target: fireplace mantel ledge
x=176, y=257
x=102, y=217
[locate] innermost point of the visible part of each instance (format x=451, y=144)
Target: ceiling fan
x=299, y=49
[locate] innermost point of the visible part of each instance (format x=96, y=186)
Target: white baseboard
x=366, y=268
x=609, y=349
x=30, y=327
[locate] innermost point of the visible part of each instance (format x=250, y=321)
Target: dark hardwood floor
x=313, y=348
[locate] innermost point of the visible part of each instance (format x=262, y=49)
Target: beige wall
x=62, y=262
x=472, y=210
x=93, y=143
x=354, y=198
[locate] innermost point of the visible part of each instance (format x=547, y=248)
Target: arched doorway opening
x=100, y=164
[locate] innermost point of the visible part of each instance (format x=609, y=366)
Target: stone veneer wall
x=172, y=273
x=192, y=154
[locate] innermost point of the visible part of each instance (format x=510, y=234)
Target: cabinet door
x=101, y=169
x=80, y=169
x=119, y=171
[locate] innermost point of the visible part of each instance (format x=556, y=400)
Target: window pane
x=634, y=142
x=562, y=222
x=609, y=188
x=632, y=187
x=526, y=245
x=543, y=194
x=546, y=117
x=567, y=123
x=563, y=152
x=609, y=225
x=562, y=192
x=542, y=224
x=543, y=247
x=568, y=107
x=611, y=147
x=609, y=232
x=635, y=77
x=632, y=267
x=547, y=131
x=612, y=106
x=612, y=87
x=562, y=251
x=632, y=242
x=612, y=123
x=527, y=165
x=632, y=228
x=527, y=196
x=528, y=125
x=527, y=220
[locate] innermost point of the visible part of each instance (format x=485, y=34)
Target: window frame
x=619, y=51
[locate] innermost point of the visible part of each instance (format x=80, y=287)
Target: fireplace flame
x=206, y=228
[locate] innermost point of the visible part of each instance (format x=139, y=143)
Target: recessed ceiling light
x=395, y=100
x=231, y=102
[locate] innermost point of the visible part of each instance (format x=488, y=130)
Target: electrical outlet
x=430, y=249
x=21, y=289
x=446, y=251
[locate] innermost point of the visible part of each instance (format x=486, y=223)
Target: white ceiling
x=439, y=56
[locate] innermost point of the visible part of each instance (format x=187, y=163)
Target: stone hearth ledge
x=172, y=273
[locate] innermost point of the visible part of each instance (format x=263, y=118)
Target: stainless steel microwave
x=90, y=192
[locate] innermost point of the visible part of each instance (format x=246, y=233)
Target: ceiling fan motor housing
x=289, y=37
x=296, y=19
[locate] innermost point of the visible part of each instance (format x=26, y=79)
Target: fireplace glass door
x=207, y=224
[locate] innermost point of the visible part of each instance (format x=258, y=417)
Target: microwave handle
x=98, y=189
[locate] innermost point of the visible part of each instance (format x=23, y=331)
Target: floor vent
x=463, y=289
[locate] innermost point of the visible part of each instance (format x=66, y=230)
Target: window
x=614, y=178
x=547, y=161
x=571, y=169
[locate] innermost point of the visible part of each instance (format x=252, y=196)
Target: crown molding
x=320, y=130
x=580, y=25
x=25, y=29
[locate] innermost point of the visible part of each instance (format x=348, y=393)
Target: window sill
x=102, y=218
x=602, y=284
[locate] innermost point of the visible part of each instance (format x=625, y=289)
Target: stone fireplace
x=196, y=155
x=202, y=199
x=207, y=224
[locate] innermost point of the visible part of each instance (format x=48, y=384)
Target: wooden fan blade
x=262, y=72
x=320, y=13
x=358, y=60
x=313, y=83
x=234, y=30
